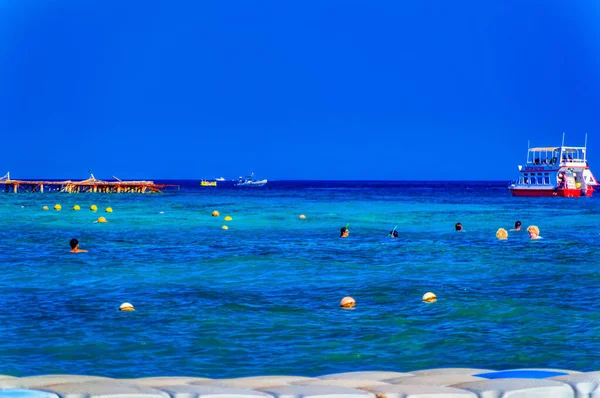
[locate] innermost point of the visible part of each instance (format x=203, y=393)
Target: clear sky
x=324, y=89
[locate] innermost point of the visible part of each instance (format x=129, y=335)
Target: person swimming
x=458, y=226
x=534, y=232
x=393, y=234
x=344, y=232
x=517, y=226
x=74, y=243
x=501, y=234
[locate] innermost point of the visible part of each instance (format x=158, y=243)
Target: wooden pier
x=90, y=185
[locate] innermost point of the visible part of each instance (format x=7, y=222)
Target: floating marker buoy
x=22, y=207
x=161, y=212
x=57, y=207
x=108, y=210
x=348, y=302
x=93, y=207
x=429, y=297
x=228, y=218
x=126, y=307
x=101, y=219
x=76, y=207
x=302, y=217
x=224, y=227
x=45, y=208
x=215, y=213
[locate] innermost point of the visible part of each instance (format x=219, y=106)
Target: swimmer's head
x=344, y=232
x=73, y=243
x=458, y=226
x=501, y=234
x=518, y=225
x=534, y=231
x=394, y=234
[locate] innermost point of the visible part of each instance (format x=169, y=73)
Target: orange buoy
x=348, y=302
x=429, y=297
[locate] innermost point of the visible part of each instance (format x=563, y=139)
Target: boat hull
x=564, y=193
x=252, y=183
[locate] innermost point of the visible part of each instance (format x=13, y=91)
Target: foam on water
x=263, y=297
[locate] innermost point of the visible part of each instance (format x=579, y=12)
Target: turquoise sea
x=263, y=297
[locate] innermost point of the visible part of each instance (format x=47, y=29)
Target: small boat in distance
x=219, y=179
x=249, y=181
x=555, y=171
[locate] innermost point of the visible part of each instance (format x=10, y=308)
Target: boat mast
x=560, y=155
x=585, y=148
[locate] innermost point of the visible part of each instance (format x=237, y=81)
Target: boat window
x=539, y=180
x=525, y=179
x=547, y=180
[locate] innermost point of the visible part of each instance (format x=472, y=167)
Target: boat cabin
x=555, y=171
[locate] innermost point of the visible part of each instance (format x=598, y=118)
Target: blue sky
x=342, y=89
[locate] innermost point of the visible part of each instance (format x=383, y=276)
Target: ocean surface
x=263, y=297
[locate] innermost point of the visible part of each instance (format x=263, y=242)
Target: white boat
x=219, y=179
x=555, y=171
x=249, y=181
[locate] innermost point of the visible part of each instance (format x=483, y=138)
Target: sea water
x=263, y=297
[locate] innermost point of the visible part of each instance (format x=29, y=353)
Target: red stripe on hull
x=566, y=193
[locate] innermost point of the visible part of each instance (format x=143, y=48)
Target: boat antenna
x=585, y=144
x=563, y=141
x=117, y=179
x=528, y=145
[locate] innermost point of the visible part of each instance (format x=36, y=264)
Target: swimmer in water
x=534, y=232
x=517, y=226
x=393, y=234
x=502, y=234
x=458, y=226
x=74, y=243
x=344, y=232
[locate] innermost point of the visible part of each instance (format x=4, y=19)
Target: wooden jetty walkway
x=90, y=185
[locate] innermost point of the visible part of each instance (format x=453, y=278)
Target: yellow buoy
x=76, y=207
x=429, y=297
x=45, y=208
x=101, y=219
x=228, y=218
x=126, y=307
x=224, y=227
x=93, y=207
x=108, y=210
x=215, y=213
x=348, y=302
x=302, y=217
x=57, y=207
